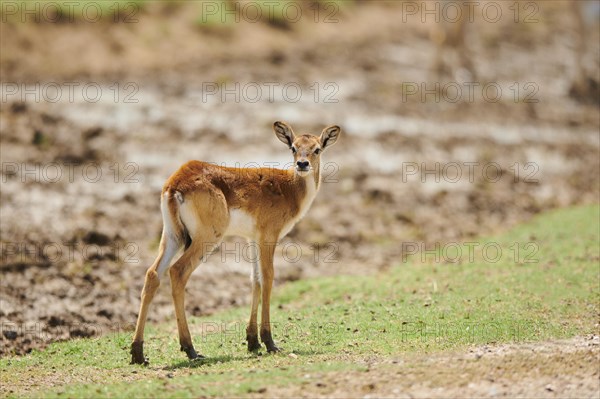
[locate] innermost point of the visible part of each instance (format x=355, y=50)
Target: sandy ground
x=554, y=369
x=81, y=179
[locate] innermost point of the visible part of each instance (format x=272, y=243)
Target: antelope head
x=306, y=148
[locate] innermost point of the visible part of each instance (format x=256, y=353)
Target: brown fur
x=272, y=197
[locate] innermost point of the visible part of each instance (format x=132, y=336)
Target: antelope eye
x=294, y=150
x=317, y=151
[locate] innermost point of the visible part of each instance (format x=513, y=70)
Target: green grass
x=547, y=289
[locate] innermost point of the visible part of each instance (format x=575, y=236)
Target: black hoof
x=253, y=344
x=267, y=339
x=137, y=354
x=191, y=353
x=273, y=349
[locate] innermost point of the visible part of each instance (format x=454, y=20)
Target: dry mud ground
x=81, y=180
x=554, y=369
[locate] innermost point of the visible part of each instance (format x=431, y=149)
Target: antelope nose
x=302, y=164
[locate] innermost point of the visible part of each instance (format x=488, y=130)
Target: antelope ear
x=329, y=136
x=284, y=133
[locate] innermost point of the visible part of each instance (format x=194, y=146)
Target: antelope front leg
x=252, y=329
x=266, y=267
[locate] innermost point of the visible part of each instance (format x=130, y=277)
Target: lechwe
x=202, y=203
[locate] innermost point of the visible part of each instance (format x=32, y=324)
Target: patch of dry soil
x=554, y=369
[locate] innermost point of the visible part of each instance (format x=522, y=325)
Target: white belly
x=241, y=224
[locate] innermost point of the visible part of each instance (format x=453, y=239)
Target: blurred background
x=459, y=120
